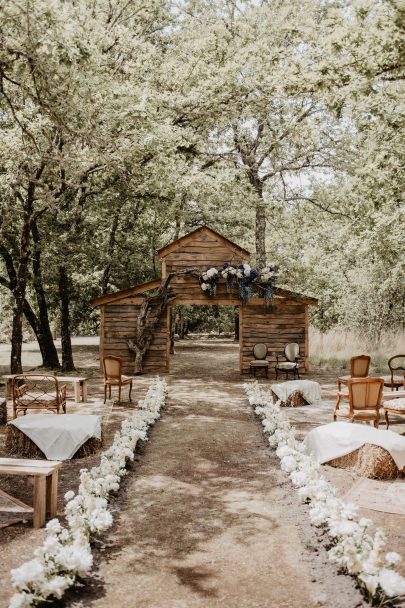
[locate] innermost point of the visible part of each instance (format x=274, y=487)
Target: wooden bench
x=45, y=474
x=79, y=385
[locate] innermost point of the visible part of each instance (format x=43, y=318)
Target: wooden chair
x=359, y=368
x=365, y=396
x=396, y=363
x=112, y=367
x=37, y=392
x=259, y=361
x=291, y=363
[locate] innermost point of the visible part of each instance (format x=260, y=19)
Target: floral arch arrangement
x=249, y=281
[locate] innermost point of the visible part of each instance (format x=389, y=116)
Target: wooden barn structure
x=285, y=320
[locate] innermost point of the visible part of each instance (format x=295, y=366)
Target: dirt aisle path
x=203, y=520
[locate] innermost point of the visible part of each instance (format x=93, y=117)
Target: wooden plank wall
x=283, y=322
x=119, y=323
x=202, y=252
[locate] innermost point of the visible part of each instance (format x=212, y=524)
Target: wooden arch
x=286, y=320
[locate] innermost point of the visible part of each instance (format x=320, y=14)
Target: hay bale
x=3, y=411
x=370, y=461
x=18, y=444
x=294, y=400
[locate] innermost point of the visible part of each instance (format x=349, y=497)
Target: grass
x=333, y=349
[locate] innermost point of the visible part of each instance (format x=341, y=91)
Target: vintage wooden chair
x=113, y=376
x=37, y=392
x=259, y=361
x=359, y=368
x=291, y=363
x=365, y=396
x=396, y=363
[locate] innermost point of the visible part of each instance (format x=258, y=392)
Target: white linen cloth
x=337, y=439
x=310, y=390
x=396, y=404
x=59, y=436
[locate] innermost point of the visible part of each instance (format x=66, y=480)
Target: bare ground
x=205, y=517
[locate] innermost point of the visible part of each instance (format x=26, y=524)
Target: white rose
x=391, y=582
x=393, y=558
x=370, y=582
x=204, y=286
x=205, y=276
x=21, y=600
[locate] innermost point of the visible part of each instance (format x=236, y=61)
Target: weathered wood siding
x=119, y=326
x=202, y=252
x=282, y=322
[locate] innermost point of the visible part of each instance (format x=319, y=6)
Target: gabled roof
x=124, y=293
x=293, y=295
x=181, y=242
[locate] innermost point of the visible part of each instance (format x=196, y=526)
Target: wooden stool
x=45, y=474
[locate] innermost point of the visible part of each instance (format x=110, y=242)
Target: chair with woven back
x=113, y=376
x=365, y=395
x=37, y=392
x=395, y=364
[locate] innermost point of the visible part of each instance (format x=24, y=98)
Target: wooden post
x=52, y=494
x=76, y=385
x=39, y=501
x=84, y=390
x=306, y=354
x=101, y=345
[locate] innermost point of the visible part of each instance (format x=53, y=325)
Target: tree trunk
x=29, y=314
x=66, y=342
x=47, y=346
x=260, y=235
x=17, y=336
x=178, y=214
x=110, y=252
x=237, y=323
x=172, y=329
x=19, y=294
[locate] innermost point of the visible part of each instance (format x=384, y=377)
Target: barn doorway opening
x=204, y=339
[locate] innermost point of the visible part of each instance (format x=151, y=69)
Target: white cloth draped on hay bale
x=309, y=390
x=379, y=453
x=59, y=437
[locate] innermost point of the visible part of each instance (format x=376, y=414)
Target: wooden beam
x=120, y=295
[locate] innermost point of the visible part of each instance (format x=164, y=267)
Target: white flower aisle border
x=66, y=551
x=354, y=549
